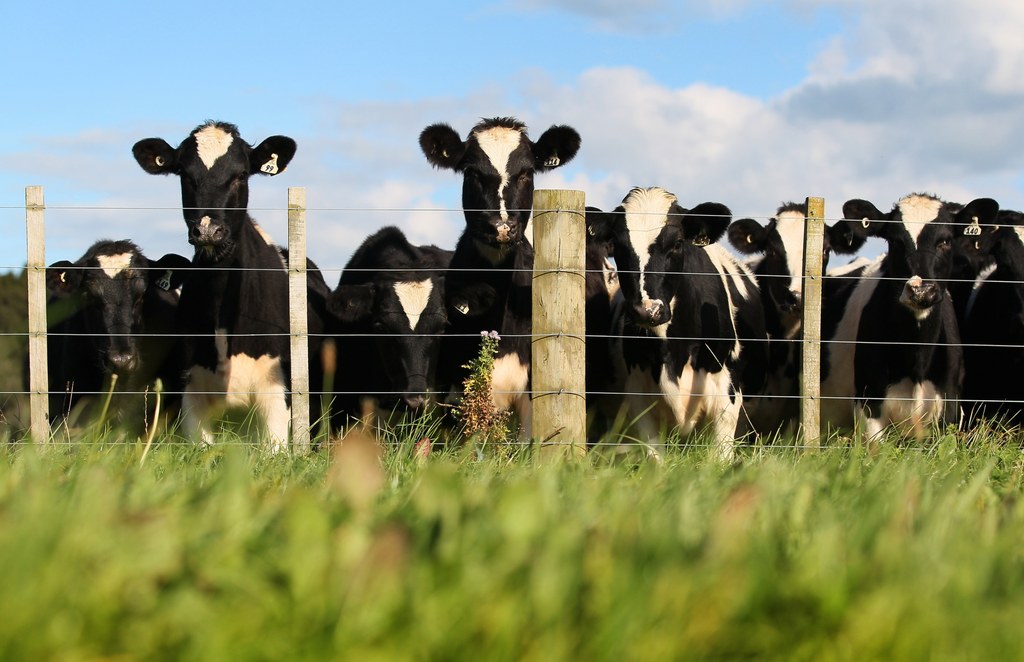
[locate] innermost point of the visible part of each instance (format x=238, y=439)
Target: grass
x=851, y=553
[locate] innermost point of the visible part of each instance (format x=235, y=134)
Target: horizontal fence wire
x=338, y=269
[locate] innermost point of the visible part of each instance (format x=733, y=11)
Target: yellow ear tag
x=973, y=230
x=270, y=167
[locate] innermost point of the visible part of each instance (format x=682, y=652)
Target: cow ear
x=747, y=236
x=471, y=300
x=352, y=303
x=704, y=224
x=599, y=225
x=556, y=147
x=272, y=156
x=442, y=146
x=155, y=156
x=62, y=277
x=169, y=272
x=977, y=214
x=865, y=213
x=846, y=237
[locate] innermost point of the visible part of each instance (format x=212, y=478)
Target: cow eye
x=943, y=244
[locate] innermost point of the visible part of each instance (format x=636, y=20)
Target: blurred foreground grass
x=227, y=554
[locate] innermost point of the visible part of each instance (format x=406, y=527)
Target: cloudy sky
x=746, y=102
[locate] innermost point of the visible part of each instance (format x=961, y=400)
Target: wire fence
x=19, y=426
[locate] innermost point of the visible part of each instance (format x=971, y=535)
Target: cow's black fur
x=993, y=324
x=102, y=324
x=382, y=356
x=777, y=406
x=489, y=285
x=238, y=295
x=683, y=315
x=907, y=360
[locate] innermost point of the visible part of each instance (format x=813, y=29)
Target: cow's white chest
x=509, y=379
x=913, y=408
x=696, y=396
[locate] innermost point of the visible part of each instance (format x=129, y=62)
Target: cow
x=776, y=256
x=389, y=306
x=894, y=358
x=992, y=329
x=112, y=312
x=234, y=306
x=488, y=286
x=692, y=330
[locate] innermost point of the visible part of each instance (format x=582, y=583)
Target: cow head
x=394, y=291
x=779, y=253
x=498, y=161
x=919, y=231
x=108, y=286
x=650, y=236
x=214, y=165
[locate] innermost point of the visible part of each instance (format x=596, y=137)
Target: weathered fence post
x=298, y=321
x=810, y=376
x=39, y=398
x=559, y=328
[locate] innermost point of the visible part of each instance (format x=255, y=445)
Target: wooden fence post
x=298, y=321
x=559, y=323
x=810, y=376
x=39, y=397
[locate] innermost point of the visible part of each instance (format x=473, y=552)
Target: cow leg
x=642, y=402
x=201, y=402
x=725, y=427
x=276, y=417
x=197, y=411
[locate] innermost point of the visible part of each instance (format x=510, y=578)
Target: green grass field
x=892, y=552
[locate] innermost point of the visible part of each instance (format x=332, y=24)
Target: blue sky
x=747, y=102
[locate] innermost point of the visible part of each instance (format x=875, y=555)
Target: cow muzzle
x=205, y=232
x=920, y=295
x=650, y=312
x=121, y=362
x=414, y=401
x=506, y=232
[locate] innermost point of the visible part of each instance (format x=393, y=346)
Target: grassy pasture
x=851, y=553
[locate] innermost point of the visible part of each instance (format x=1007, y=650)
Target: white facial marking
x=790, y=226
x=414, y=296
x=646, y=214
x=498, y=143
x=918, y=211
x=114, y=264
x=212, y=143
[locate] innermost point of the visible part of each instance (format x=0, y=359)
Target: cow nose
x=507, y=231
x=205, y=232
x=790, y=303
x=121, y=362
x=651, y=311
x=920, y=294
x=414, y=400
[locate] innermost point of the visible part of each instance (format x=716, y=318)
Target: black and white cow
x=390, y=306
x=488, y=286
x=993, y=324
x=693, y=333
x=895, y=358
x=112, y=312
x=234, y=305
x=777, y=259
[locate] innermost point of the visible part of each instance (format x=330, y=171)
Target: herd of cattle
x=682, y=335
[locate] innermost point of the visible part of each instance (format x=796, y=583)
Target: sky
x=751, y=103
